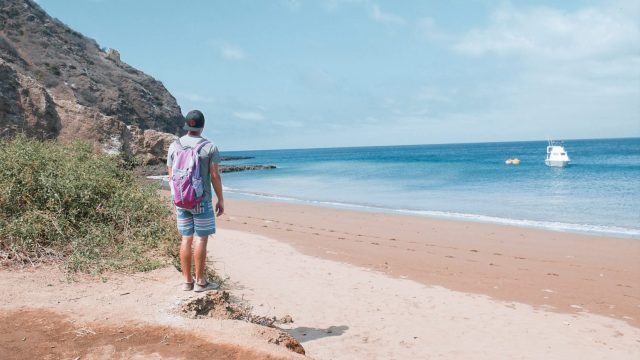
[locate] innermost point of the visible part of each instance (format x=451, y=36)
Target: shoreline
x=556, y=271
x=563, y=227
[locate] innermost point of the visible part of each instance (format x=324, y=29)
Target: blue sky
x=324, y=73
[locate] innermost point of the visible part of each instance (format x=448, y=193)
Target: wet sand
x=556, y=271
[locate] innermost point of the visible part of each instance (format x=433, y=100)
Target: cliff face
x=58, y=84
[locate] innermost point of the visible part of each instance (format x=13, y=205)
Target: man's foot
x=205, y=287
x=187, y=286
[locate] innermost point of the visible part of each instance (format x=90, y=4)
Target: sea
x=598, y=193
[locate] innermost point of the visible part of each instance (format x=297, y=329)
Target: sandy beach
x=379, y=286
x=358, y=286
x=556, y=271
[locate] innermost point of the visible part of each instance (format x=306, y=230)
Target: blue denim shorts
x=202, y=224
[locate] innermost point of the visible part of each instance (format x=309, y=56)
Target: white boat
x=556, y=155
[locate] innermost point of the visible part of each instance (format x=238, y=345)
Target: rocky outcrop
x=56, y=83
x=158, y=169
x=237, y=168
x=230, y=158
x=26, y=106
x=219, y=305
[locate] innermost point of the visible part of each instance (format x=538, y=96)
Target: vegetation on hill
x=71, y=204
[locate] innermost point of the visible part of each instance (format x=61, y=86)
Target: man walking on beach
x=199, y=221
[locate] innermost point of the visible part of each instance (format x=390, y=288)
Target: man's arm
x=216, y=181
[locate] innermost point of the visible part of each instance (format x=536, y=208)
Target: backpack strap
x=196, y=157
x=200, y=145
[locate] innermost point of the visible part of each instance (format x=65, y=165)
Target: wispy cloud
x=385, y=17
x=429, y=29
x=289, y=123
x=232, y=52
x=553, y=34
x=248, y=115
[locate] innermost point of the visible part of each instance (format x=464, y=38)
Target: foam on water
x=548, y=225
x=599, y=192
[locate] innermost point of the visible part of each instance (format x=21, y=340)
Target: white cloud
x=289, y=123
x=232, y=52
x=248, y=115
x=385, y=17
x=429, y=29
x=553, y=34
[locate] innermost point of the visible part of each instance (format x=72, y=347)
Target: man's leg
x=201, y=258
x=185, y=258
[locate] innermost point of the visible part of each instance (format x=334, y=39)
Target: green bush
x=71, y=204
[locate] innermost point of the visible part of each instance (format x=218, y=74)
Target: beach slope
x=371, y=285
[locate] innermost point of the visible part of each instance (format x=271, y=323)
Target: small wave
x=552, y=225
x=549, y=225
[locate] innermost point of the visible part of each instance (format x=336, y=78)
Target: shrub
x=71, y=204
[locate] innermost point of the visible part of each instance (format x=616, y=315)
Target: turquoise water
x=598, y=193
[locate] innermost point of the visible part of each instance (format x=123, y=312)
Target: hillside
x=56, y=83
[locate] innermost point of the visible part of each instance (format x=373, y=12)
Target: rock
x=236, y=168
x=230, y=158
x=218, y=304
x=56, y=83
x=26, y=106
x=287, y=319
x=150, y=146
x=113, y=54
x=289, y=342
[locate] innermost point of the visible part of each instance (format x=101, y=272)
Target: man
x=199, y=221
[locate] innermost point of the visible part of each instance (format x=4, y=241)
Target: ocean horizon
x=598, y=193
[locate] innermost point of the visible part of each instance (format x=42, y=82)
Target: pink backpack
x=186, y=183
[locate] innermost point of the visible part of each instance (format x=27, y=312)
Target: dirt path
x=44, y=315
x=43, y=334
